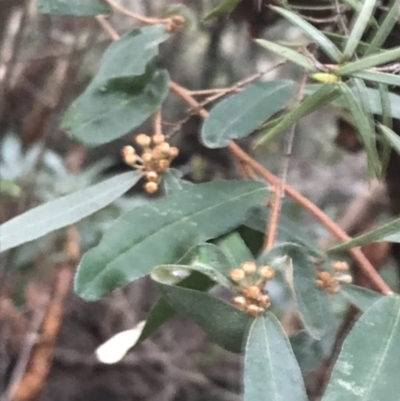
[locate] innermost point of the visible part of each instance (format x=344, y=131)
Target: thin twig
x=107, y=27
x=279, y=192
x=340, y=14
x=157, y=122
x=130, y=14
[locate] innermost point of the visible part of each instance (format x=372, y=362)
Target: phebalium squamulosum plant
x=189, y=238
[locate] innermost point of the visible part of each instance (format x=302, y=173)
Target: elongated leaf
x=361, y=21
x=374, y=100
x=204, y=254
x=391, y=137
x=365, y=129
x=127, y=89
x=224, y=7
x=367, y=367
x=287, y=53
x=240, y=114
x=172, y=181
x=162, y=232
x=73, y=7
x=339, y=39
x=288, y=230
x=309, y=352
x=225, y=324
x=162, y=312
x=324, y=95
x=271, y=372
x=362, y=298
x=313, y=304
x=387, y=232
x=381, y=77
x=235, y=249
x=64, y=211
x=385, y=28
x=210, y=261
x=370, y=61
x=326, y=45
x=387, y=120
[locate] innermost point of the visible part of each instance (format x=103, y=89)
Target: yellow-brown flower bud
x=324, y=276
x=340, y=266
x=147, y=157
x=164, y=148
x=143, y=140
x=163, y=164
x=265, y=301
x=254, y=310
x=240, y=302
x=151, y=176
x=249, y=267
x=252, y=292
x=158, y=139
x=173, y=151
x=237, y=275
x=266, y=272
x=150, y=187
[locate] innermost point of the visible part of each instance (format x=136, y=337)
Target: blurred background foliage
x=46, y=62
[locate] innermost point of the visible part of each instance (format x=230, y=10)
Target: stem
x=107, y=27
x=130, y=14
x=273, y=222
x=157, y=123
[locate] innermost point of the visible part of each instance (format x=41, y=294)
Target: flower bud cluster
x=154, y=161
x=249, y=278
x=330, y=282
x=175, y=23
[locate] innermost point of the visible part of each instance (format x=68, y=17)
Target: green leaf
x=127, y=89
x=310, y=352
x=359, y=24
x=235, y=249
x=314, y=34
x=324, y=95
x=370, y=61
x=386, y=232
x=313, y=304
x=367, y=367
x=73, y=7
x=339, y=39
x=172, y=181
x=64, y=211
x=224, y=7
x=288, y=230
x=225, y=324
x=391, y=137
x=207, y=259
x=271, y=372
x=362, y=298
x=240, y=114
x=385, y=28
x=287, y=53
x=162, y=231
x=374, y=100
x=376, y=76
x=364, y=127
x=162, y=312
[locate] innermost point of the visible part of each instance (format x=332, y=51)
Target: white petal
x=116, y=347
